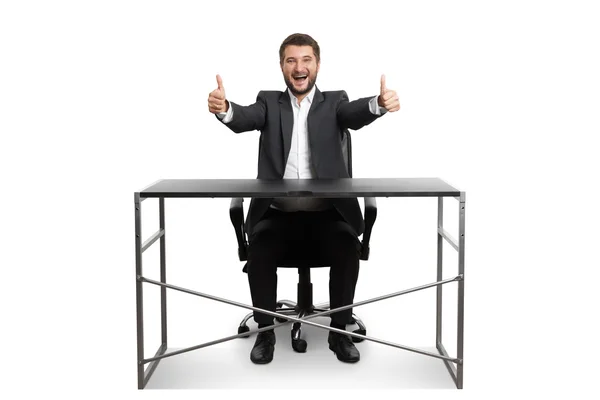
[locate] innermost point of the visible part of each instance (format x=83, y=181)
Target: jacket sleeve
x=354, y=114
x=248, y=118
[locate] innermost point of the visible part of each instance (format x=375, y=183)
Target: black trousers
x=329, y=236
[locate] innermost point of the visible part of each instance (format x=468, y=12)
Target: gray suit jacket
x=329, y=115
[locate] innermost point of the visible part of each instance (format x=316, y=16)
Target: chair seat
x=303, y=255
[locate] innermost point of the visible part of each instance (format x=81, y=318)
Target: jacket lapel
x=287, y=124
x=314, y=139
x=312, y=120
x=317, y=100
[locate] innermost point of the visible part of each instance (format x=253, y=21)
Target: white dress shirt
x=299, y=162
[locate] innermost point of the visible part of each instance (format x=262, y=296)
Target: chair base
x=288, y=307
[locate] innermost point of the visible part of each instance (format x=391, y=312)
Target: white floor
x=228, y=366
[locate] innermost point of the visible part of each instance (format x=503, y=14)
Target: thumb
x=220, y=82
x=383, y=88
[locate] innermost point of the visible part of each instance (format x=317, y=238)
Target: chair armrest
x=370, y=216
x=236, y=213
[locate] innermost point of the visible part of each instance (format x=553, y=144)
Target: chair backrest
x=303, y=258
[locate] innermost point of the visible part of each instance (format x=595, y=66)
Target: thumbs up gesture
x=388, y=99
x=217, y=102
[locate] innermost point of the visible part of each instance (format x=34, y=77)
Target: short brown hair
x=300, y=39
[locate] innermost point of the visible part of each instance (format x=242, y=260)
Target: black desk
x=352, y=187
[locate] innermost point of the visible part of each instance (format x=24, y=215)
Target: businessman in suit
x=301, y=131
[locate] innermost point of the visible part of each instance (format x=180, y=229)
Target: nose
x=300, y=68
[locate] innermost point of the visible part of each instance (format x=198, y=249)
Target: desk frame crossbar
x=454, y=365
x=302, y=320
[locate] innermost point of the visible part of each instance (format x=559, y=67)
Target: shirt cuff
x=226, y=117
x=374, y=106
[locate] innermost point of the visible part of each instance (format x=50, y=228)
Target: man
x=301, y=131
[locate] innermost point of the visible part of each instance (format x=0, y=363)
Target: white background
x=100, y=99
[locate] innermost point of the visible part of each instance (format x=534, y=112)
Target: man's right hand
x=217, y=102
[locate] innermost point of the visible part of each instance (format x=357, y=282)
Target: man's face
x=300, y=69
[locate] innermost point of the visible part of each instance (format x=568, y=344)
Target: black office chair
x=304, y=258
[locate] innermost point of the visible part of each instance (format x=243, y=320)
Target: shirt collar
x=310, y=95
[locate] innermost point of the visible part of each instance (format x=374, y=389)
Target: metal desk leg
x=144, y=376
x=440, y=247
x=139, y=296
x=461, y=289
x=459, y=246
x=163, y=274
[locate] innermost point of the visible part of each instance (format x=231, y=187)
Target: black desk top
x=349, y=187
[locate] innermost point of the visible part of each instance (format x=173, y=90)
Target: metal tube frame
x=456, y=372
x=143, y=375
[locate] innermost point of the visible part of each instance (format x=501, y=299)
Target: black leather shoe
x=343, y=347
x=262, y=352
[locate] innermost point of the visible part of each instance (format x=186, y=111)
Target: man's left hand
x=388, y=99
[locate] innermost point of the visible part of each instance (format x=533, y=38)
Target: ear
x=318, y=66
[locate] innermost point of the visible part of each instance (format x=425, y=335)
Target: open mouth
x=300, y=78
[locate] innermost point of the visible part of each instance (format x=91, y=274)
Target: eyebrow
x=303, y=57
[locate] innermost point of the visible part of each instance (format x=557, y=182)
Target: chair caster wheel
x=299, y=345
x=360, y=332
x=242, y=329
